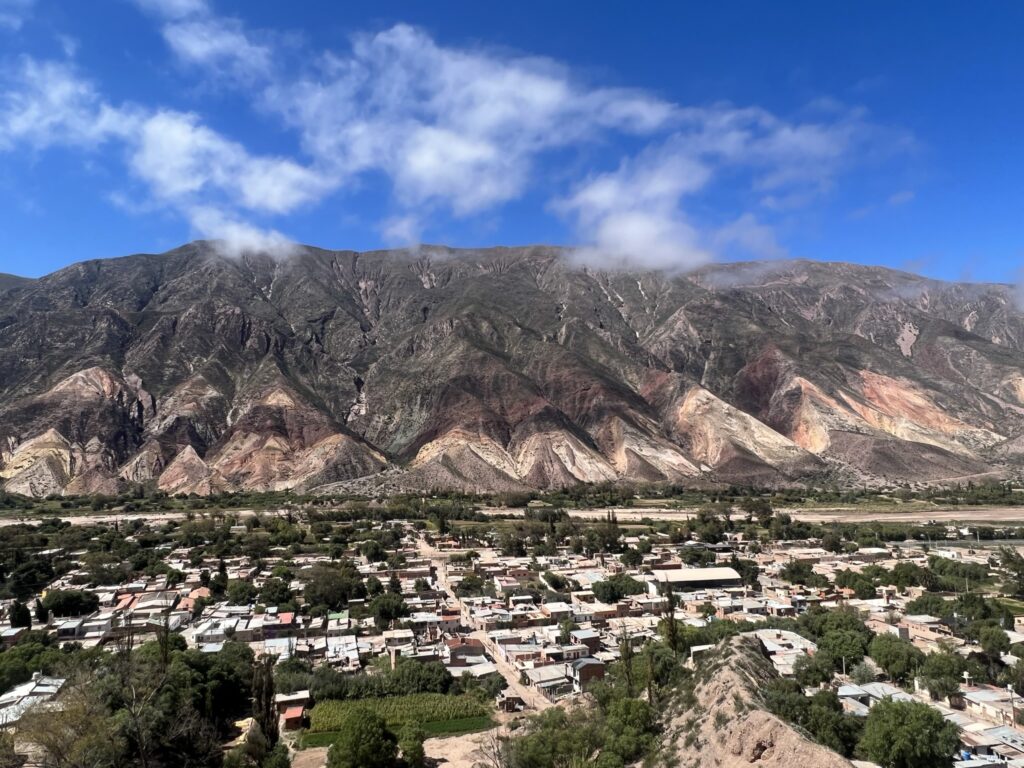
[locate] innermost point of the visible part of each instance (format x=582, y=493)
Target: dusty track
x=625, y=515
x=815, y=514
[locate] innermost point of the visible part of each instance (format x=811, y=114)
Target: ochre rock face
x=498, y=369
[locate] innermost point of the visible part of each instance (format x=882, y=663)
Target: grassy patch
x=308, y=740
x=1015, y=605
x=417, y=708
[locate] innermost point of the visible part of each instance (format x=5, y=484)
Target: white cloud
x=220, y=45
x=234, y=237
x=13, y=13
x=459, y=129
x=69, y=45
x=791, y=161
x=181, y=158
x=747, y=235
x=454, y=130
x=207, y=178
x=211, y=180
x=47, y=103
x=401, y=230
x=464, y=131
x=786, y=164
x=631, y=217
x=200, y=38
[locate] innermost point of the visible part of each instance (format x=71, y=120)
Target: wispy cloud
x=218, y=44
x=635, y=215
x=402, y=230
x=747, y=236
x=206, y=177
x=14, y=13
x=235, y=237
x=43, y=103
x=902, y=197
x=457, y=131
x=632, y=216
x=183, y=159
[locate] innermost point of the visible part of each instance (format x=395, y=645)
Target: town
x=476, y=623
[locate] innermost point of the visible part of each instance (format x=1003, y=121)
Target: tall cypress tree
x=20, y=615
x=626, y=656
x=671, y=626
x=264, y=710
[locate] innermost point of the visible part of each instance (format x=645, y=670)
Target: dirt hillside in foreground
x=729, y=728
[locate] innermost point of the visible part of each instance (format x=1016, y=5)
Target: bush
x=618, y=586
x=364, y=741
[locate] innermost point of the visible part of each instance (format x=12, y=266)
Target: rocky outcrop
x=498, y=369
x=729, y=727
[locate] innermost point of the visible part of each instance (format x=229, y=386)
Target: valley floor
x=817, y=514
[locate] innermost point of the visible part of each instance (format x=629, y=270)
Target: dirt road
x=533, y=699
x=946, y=514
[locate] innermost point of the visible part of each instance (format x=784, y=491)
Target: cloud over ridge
x=457, y=132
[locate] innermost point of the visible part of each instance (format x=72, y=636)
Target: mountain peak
x=501, y=368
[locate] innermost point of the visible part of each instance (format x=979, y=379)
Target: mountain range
x=498, y=369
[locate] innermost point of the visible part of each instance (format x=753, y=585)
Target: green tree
x=20, y=615
x=811, y=671
x=631, y=558
x=78, y=734
x=908, y=734
x=994, y=641
x=626, y=659
x=394, y=585
x=373, y=586
x=275, y=591
x=334, y=586
x=364, y=742
x=617, y=587
x=929, y=605
x=387, y=608
x=831, y=542
x=240, y=592
x=759, y=508
x=862, y=673
x=899, y=658
x=70, y=602
x=264, y=709
x=843, y=646
x=829, y=726
x=671, y=624
x=1013, y=563
x=565, y=631
x=941, y=673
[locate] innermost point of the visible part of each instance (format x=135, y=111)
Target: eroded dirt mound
x=725, y=724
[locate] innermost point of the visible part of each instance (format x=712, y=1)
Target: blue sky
x=873, y=132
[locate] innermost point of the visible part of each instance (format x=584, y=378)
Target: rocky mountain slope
x=730, y=728
x=497, y=369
